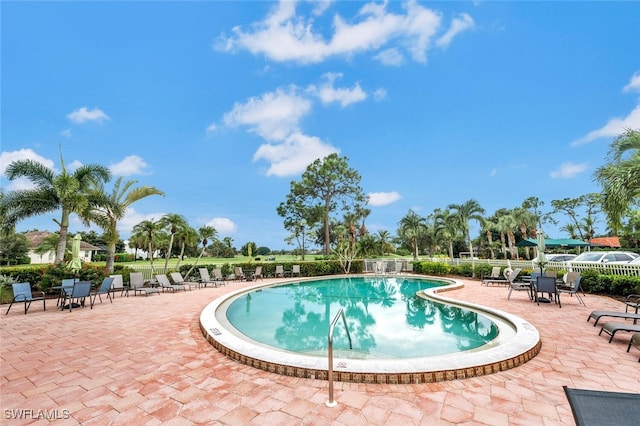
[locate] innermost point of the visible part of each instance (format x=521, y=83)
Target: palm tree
x=465, y=213
x=488, y=228
x=507, y=223
x=445, y=225
x=411, y=228
x=571, y=230
x=146, y=232
x=106, y=209
x=65, y=191
x=136, y=243
x=187, y=236
x=205, y=233
x=383, y=238
x=173, y=222
x=620, y=178
x=526, y=221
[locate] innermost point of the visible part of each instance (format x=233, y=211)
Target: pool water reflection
x=385, y=318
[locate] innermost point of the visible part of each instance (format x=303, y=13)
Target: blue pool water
x=385, y=318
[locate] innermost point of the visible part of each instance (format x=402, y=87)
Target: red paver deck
x=143, y=360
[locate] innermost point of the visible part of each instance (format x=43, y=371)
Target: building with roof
x=35, y=238
x=613, y=242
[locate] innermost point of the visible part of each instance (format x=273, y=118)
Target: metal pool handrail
x=331, y=402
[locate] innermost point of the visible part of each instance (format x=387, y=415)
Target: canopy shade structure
x=550, y=242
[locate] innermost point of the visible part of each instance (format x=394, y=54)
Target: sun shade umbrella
x=541, y=259
x=75, y=264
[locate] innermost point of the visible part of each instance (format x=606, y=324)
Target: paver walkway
x=143, y=361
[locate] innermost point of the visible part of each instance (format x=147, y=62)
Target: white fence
x=403, y=265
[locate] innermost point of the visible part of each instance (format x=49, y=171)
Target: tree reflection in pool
x=386, y=318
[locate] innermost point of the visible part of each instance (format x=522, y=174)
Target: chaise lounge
x=599, y=314
x=611, y=328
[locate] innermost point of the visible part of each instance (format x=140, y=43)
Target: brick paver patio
x=143, y=360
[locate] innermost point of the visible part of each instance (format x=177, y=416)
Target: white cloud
x=82, y=115
x=379, y=94
x=458, y=25
x=293, y=155
x=66, y=133
x=320, y=6
x=614, y=127
x=223, y=225
x=391, y=57
x=130, y=165
x=286, y=36
x=8, y=157
x=273, y=116
x=634, y=84
x=568, y=170
x=73, y=166
x=383, y=198
x=213, y=127
x=328, y=93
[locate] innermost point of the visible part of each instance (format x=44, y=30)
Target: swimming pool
x=402, y=330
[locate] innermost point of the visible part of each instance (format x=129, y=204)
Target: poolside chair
x=570, y=277
x=137, y=285
x=237, y=272
x=279, y=271
x=205, y=278
x=118, y=285
x=495, y=274
x=508, y=280
x=217, y=276
x=295, y=270
x=22, y=293
x=635, y=342
x=632, y=301
x=178, y=279
x=611, y=328
x=378, y=267
x=518, y=286
x=614, y=314
x=66, y=285
x=546, y=285
x=78, y=295
x=510, y=277
x=258, y=273
x=105, y=288
x=165, y=284
x=574, y=290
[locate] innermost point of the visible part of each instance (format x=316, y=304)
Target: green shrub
x=432, y=268
x=618, y=285
x=463, y=269
x=6, y=290
x=123, y=257
x=483, y=269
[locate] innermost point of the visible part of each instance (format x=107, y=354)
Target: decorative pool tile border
x=514, y=352
x=377, y=378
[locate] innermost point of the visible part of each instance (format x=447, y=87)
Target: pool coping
x=522, y=347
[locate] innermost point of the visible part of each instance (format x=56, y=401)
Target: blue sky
x=221, y=104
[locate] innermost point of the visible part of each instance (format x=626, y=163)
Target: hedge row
x=307, y=269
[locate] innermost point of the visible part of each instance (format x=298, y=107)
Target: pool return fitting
x=331, y=402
